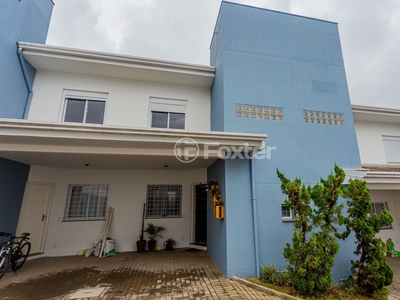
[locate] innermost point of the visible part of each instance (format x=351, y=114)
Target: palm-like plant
x=153, y=231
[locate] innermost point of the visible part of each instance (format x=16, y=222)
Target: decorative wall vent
x=323, y=117
x=259, y=112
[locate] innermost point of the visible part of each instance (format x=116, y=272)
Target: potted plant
x=212, y=187
x=169, y=244
x=153, y=231
x=141, y=244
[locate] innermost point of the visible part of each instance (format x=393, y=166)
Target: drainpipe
x=27, y=82
x=255, y=227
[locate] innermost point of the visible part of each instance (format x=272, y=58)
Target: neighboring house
x=115, y=130
x=378, y=136
x=19, y=21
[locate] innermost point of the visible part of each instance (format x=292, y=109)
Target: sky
x=181, y=30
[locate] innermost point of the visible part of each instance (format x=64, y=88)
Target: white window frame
x=174, y=106
x=387, y=207
x=86, y=217
x=391, y=144
x=82, y=95
x=289, y=218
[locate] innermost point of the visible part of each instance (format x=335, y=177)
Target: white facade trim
x=94, y=63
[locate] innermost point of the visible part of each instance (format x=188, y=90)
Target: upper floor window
x=166, y=113
x=391, y=145
x=82, y=107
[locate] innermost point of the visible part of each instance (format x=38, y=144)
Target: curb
x=264, y=289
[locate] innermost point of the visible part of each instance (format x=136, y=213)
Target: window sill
x=287, y=220
x=83, y=220
x=177, y=217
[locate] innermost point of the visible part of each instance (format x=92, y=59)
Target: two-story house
x=114, y=130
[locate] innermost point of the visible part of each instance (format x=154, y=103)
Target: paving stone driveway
x=174, y=274
x=177, y=274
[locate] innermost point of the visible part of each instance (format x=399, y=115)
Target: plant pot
x=151, y=245
x=219, y=212
x=141, y=245
x=168, y=247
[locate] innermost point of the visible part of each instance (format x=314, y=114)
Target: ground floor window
x=163, y=201
x=86, y=202
x=287, y=213
x=378, y=208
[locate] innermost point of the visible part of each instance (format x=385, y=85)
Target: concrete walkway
x=177, y=274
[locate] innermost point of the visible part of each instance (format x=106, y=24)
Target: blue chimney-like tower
x=28, y=21
x=20, y=20
x=282, y=75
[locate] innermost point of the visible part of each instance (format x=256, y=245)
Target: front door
x=32, y=217
x=201, y=215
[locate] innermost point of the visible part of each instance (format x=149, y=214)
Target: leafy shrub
x=271, y=274
x=370, y=271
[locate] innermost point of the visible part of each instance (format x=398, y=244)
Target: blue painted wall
x=26, y=21
x=268, y=58
x=13, y=177
x=216, y=229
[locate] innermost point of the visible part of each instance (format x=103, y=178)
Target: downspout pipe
x=27, y=82
x=255, y=221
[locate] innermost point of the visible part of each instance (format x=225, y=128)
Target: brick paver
x=171, y=275
x=394, y=288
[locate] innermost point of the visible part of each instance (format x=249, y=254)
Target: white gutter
x=27, y=82
x=115, y=58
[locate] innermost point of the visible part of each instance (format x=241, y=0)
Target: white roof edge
x=17, y=124
x=375, y=110
x=104, y=56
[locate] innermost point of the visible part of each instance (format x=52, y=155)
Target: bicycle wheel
x=4, y=263
x=19, y=256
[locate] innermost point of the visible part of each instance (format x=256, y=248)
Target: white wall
x=128, y=100
x=393, y=200
x=369, y=137
x=127, y=193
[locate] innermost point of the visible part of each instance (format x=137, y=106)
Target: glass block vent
x=323, y=117
x=86, y=202
x=163, y=201
x=259, y=112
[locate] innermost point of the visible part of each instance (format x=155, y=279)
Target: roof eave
x=54, y=58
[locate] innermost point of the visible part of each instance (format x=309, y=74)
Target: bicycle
x=14, y=252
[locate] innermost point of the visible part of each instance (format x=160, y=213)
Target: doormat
x=194, y=250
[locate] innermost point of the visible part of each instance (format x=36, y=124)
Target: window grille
x=86, y=202
x=163, y=201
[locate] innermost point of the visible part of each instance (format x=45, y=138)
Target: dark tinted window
x=75, y=111
x=95, y=112
x=159, y=119
x=177, y=121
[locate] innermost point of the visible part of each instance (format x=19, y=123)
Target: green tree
x=314, y=244
x=370, y=271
